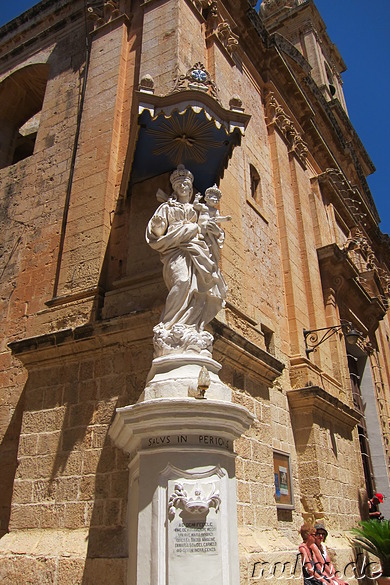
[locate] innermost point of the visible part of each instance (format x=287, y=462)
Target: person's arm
x=307, y=563
x=330, y=570
x=321, y=567
x=373, y=511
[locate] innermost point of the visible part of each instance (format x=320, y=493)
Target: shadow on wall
x=107, y=539
x=8, y=464
x=127, y=259
x=78, y=478
x=316, y=440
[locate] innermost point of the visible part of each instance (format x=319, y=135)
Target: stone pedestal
x=175, y=376
x=182, y=499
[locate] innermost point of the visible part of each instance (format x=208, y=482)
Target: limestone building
x=99, y=103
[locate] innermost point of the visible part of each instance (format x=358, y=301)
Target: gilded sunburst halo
x=185, y=136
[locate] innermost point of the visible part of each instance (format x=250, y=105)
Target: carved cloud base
x=177, y=376
x=181, y=338
x=182, y=490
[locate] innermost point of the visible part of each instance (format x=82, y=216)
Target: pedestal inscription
x=194, y=532
x=195, y=538
x=202, y=440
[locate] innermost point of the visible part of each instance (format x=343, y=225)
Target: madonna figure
x=189, y=270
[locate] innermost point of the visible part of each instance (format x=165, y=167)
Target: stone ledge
x=268, y=557
x=88, y=337
x=338, y=271
x=316, y=399
x=244, y=354
x=177, y=415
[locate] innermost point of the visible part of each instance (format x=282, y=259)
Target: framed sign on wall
x=283, y=484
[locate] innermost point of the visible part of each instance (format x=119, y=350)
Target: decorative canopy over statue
x=188, y=238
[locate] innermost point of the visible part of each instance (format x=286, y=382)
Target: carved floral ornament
x=357, y=242
x=278, y=117
x=198, y=505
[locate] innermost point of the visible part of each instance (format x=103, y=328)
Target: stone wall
x=81, y=290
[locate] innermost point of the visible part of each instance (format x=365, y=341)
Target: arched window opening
x=329, y=74
x=255, y=184
x=25, y=140
x=21, y=99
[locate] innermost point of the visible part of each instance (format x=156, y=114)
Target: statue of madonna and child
x=188, y=238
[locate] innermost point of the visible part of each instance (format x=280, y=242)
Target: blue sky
x=361, y=32
x=360, y=29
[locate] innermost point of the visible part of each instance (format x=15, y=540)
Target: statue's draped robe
x=189, y=272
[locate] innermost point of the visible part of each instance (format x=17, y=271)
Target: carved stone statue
x=209, y=219
x=188, y=238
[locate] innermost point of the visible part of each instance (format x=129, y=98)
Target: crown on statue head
x=181, y=173
x=213, y=191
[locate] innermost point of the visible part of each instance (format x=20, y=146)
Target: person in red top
x=373, y=510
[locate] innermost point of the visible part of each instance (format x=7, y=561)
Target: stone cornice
x=314, y=23
x=243, y=354
x=346, y=146
x=335, y=104
x=288, y=48
x=339, y=272
x=248, y=20
x=344, y=143
x=138, y=327
x=348, y=195
x=43, y=21
x=86, y=338
x=372, y=245
x=340, y=124
x=48, y=18
x=256, y=22
x=316, y=401
x=172, y=415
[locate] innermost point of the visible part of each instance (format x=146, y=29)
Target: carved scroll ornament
x=278, y=117
x=227, y=36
